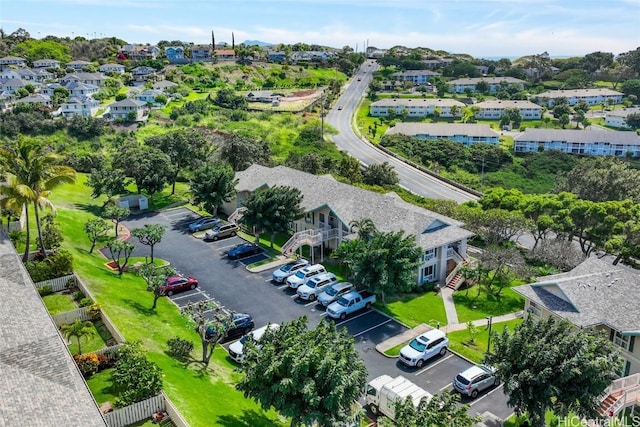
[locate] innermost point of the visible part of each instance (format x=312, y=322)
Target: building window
x=309, y=218
x=534, y=309
x=429, y=273
x=621, y=341
x=429, y=253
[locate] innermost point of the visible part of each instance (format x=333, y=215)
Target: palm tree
x=364, y=227
x=16, y=199
x=39, y=172
x=78, y=330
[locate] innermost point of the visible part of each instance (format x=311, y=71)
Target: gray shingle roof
x=388, y=211
x=577, y=135
x=568, y=93
x=496, y=103
x=39, y=382
x=443, y=129
x=595, y=292
x=490, y=80
x=420, y=102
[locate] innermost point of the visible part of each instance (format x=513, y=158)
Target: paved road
x=412, y=179
x=237, y=289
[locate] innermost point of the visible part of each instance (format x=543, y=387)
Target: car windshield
x=417, y=345
x=216, y=228
x=332, y=291
x=300, y=275
x=286, y=268
x=343, y=301
x=311, y=284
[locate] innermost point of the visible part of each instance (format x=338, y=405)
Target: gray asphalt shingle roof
x=576, y=135
x=595, y=292
x=39, y=382
x=443, y=129
x=388, y=211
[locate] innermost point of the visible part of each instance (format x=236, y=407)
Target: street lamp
x=489, y=324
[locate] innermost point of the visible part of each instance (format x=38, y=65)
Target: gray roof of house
x=127, y=102
x=624, y=112
x=578, y=92
x=496, y=103
x=595, y=292
x=427, y=102
x=40, y=383
x=163, y=84
x=415, y=73
x=443, y=129
x=490, y=80
x=387, y=211
x=577, y=135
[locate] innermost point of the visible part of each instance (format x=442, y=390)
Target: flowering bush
x=87, y=363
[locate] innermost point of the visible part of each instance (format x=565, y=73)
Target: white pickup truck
x=350, y=303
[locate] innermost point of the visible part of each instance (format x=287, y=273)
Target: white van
x=236, y=349
x=316, y=285
x=305, y=274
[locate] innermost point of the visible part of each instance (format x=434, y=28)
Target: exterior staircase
x=621, y=394
x=455, y=279
x=308, y=237
x=236, y=215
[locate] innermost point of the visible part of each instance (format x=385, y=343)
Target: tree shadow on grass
x=195, y=366
x=147, y=311
x=248, y=418
x=93, y=209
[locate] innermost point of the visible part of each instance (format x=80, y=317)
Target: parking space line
x=281, y=287
x=372, y=328
x=313, y=302
x=324, y=313
x=268, y=280
x=190, y=295
x=434, y=365
x=353, y=318
x=294, y=296
x=485, y=395
x=446, y=387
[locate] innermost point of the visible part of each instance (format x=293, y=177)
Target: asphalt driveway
x=232, y=285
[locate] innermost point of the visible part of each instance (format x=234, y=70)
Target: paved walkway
x=449, y=305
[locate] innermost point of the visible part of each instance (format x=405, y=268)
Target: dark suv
x=242, y=325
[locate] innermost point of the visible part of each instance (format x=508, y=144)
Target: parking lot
x=231, y=284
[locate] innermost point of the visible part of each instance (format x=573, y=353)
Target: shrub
x=93, y=310
x=78, y=296
x=55, y=265
x=45, y=290
x=85, y=302
x=87, y=363
x=179, y=348
x=134, y=377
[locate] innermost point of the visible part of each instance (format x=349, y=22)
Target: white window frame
x=431, y=276
x=429, y=254
x=621, y=340
x=534, y=310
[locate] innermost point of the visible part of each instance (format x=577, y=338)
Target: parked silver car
x=475, y=380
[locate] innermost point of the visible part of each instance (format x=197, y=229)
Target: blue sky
x=482, y=28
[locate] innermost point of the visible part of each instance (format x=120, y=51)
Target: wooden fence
x=68, y=317
x=59, y=283
x=111, y=352
x=136, y=412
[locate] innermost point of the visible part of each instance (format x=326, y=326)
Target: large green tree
x=134, y=377
x=212, y=185
x=150, y=235
x=551, y=365
x=120, y=252
x=39, y=171
x=95, y=229
x=382, y=174
x=273, y=210
x=311, y=375
x=149, y=167
x=16, y=198
x=155, y=276
x=186, y=149
x=108, y=181
x=241, y=152
x=384, y=263
x=212, y=321
x=441, y=410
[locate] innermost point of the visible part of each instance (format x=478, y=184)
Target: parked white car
x=305, y=274
x=236, y=349
x=289, y=269
x=333, y=292
x=316, y=285
x=424, y=347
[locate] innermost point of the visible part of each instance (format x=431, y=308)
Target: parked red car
x=176, y=284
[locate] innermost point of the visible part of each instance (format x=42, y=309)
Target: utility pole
x=322, y=116
x=482, y=175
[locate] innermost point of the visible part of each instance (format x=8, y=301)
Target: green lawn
x=415, y=309
x=88, y=344
x=128, y=304
x=473, y=307
x=459, y=340
x=59, y=303
x=100, y=386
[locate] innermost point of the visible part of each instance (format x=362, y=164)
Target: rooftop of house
x=409, y=73
x=443, y=129
x=425, y=102
x=568, y=93
x=127, y=102
x=624, y=112
x=578, y=136
x=596, y=292
x=496, y=103
x=387, y=211
x=490, y=80
x=40, y=383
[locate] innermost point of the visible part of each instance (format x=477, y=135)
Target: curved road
x=411, y=178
